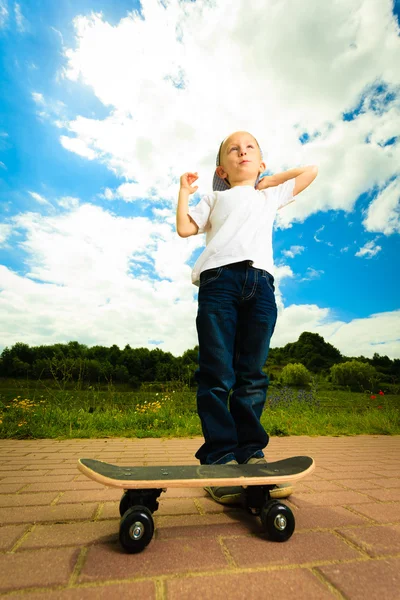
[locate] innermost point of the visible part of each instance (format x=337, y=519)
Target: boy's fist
x=186, y=182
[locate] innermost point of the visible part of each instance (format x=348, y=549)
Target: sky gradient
x=103, y=105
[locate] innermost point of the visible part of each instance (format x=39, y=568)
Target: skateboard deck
x=273, y=473
x=143, y=486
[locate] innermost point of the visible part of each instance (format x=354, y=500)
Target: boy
x=236, y=303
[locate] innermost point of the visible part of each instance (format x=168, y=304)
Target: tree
x=313, y=352
x=121, y=374
x=354, y=374
x=295, y=374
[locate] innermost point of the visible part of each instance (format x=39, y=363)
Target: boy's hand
x=266, y=182
x=186, y=182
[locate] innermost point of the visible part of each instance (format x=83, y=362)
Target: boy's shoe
x=280, y=491
x=226, y=495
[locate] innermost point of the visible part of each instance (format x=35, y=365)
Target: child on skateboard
x=236, y=302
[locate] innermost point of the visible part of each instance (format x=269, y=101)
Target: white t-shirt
x=238, y=224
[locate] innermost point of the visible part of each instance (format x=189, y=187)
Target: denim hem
x=224, y=459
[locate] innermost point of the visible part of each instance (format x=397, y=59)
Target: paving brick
x=107, y=494
x=11, y=488
x=302, y=548
x=387, y=472
x=132, y=590
x=40, y=568
x=109, y=510
x=379, y=511
x=10, y=534
x=63, y=486
x=375, y=540
x=286, y=584
x=355, y=484
x=326, y=517
x=72, y=534
x=385, y=495
x=347, y=474
x=328, y=499
x=26, y=499
x=384, y=482
x=210, y=525
x=26, y=477
x=159, y=558
x=208, y=505
x=6, y=470
x=177, y=506
x=43, y=514
x=319, y=486
x=371, y=579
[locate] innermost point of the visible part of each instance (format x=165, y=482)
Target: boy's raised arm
x=185, y=226
x=303, y=177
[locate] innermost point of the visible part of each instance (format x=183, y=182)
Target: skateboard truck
x=255, y=497
x=137, y=525
x=147, y=498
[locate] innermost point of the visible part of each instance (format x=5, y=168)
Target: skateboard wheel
x=278, y=521
x=136, y=529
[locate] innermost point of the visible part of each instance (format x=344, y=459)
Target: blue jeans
x=235, y=321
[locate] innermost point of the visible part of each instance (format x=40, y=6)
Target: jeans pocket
x=210, y=275
x=269, y=279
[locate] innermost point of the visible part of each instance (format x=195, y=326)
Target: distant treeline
x=100, y=364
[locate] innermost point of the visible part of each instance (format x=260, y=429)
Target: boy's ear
x=262, y=168
x=220, y=172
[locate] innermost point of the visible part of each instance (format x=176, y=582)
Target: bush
x=295, y=374
x=354, y=374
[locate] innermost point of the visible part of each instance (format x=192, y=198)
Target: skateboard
x=143, y=485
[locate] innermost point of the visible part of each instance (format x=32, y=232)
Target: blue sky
x=103, y=105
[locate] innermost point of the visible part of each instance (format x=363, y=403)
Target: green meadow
x=46, y=409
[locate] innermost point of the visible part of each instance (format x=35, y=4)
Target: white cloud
x=383, y=213
x=293, y=251
x=321, y=241
x=318, y=231
x=369, y=249
x=104, y=279
x=78, y=146
x=312, y=274
x=40, y=199
x=38, y=98
x=276, y=100
x=100, y=278
x=376, y=333
x=4, y=143
x=20, y=20
x=3, y=13
x=52, y=110
x=68, y=202
x=5, y=232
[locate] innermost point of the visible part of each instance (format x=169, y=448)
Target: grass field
x=29, y=410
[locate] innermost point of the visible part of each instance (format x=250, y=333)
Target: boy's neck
x=250, y=182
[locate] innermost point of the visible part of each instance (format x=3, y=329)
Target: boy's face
x=240, y=159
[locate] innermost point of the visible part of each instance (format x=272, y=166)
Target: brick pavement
x=59, y=530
